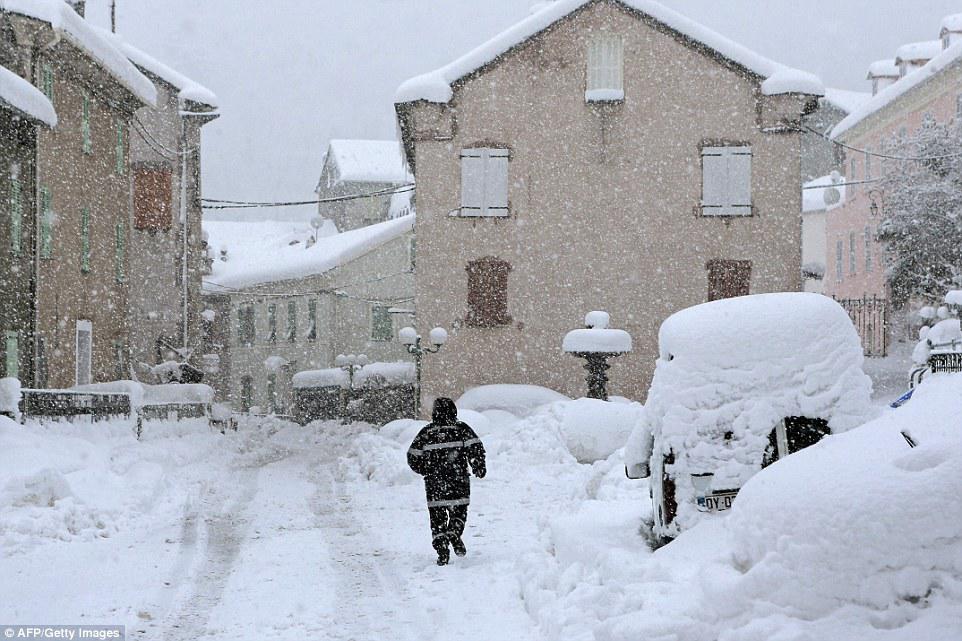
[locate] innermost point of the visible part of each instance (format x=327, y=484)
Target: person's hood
x=445, y=412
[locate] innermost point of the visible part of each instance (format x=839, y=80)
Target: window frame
x=312, y=320
x=47, y=80
x=492, y=311
x=382, y=323
x=869, y=264
x=839, y=260
x=272, y=323
x=291, y=335
x=16, y=217
x=11, y=337
x=605, y=68
x=87, y=143
x=46, y=223
x=852, y=257
x=120, y=252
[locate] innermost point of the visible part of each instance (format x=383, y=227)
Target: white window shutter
x=714, y=189
x=472, y=182
x=740, y=180
x=496, y=183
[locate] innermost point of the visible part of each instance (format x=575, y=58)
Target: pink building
x=855, y=262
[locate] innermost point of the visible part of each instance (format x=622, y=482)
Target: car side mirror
x=637, y=471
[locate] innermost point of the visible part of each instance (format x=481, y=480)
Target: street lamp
x=350, y=364
x=596, y=344
x=409, y=337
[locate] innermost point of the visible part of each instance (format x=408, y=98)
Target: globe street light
x=596, y=344
x=409, y=337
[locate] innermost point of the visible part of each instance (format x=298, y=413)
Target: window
x=246, y=393
x=488, y=292
x=120, y=252
x=120, y=158
x=312, y=320
x=272, y=323
x=851, y=253
x=120, y=360
x=726, y=181
x=12, y=354
x=16, y=217
x=839, y=250
x=382, y=326
x=84, y=352
x=272, y=393
x=246, y=324
x=291, y=335
x=152, y=197
x=868, y=165
x=728, y=278
x=414, y=253
x=46, y=81
x=85, y=240
x=40, y=374
x=853, y=178
x=958, y=107
x=605, y=77
x=46, y=224
x=484, y=182
x=868, y=249
x=88, y=145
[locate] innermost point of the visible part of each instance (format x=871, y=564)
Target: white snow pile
x=10, y=397
x=925, y=50
x=597, y=337
x=883, y=69
x=729, y=370
x=436, y=85
x=271, y=251
x=377, y=374
x=332, y=377
x=63, y=19
x=847, y=100
x=944, y=336
x=142, y=394
x=593, y=429
x=25, y=98
x=518, y=400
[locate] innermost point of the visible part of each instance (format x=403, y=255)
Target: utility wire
x=247, y=204
x=877, y=154
x=845, y=184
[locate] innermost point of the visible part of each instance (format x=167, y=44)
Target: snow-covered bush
x=593, y=429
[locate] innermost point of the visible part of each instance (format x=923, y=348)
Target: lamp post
x=350, y=364
x=410, y=338
x=596, y=343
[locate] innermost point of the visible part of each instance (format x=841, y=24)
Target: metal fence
x=65, y=404
x=870, y=315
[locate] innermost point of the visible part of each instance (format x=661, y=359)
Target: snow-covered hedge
x=728, y=371
x=142, y=394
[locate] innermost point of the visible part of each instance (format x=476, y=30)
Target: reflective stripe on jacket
x=442, y=454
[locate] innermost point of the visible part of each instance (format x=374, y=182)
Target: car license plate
x=716, y=502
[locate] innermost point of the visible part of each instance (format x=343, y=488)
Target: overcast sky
x=291, y=74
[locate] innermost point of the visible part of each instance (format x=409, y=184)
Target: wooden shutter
x=488, y=292
x=714, y=172
x=727, y=181
x=472, y=182
x=728, y=278
x=152, y=198
x=496, y=182
x=740, y=181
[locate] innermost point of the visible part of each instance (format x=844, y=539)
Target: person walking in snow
x=442, y=452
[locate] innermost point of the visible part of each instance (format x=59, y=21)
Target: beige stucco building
x=596, y=156
x=279, y=303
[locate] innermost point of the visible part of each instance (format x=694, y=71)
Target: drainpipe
x=185, y=271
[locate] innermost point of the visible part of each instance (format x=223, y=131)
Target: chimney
x=78, y=6
x=882, y=73
x=914, y=56
x=951, y=31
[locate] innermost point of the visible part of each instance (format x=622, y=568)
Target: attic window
x=605, y=69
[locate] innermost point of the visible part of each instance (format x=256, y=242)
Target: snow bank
x=436, y=85
x=592, y=429
x=373, y=374
x=729, y=370
x=332, y=377
x=519, y=400
x=273, y=251
x=63, y=19
x=24, y=97
x=10, y=397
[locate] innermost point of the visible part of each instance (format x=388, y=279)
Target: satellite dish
x=832, y=196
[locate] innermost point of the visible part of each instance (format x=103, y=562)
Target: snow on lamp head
x=340, y=360
x=596, y=345
x=408, y=336
x=439, y=336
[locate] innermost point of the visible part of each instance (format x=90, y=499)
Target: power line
x=877, y=154
x=247, y=204
x=845, y=184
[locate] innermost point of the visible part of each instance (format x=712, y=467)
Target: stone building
x=353, y=167
x=278, y=302
x=601, y=154
x=79, y=331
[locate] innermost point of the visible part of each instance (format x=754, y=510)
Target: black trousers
x=447, y=523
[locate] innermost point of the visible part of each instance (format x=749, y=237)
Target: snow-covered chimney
x=915, y=55
x=78, y=5
x=951, y=31
x=882, y=73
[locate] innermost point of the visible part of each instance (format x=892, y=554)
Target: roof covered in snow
x=188, y=89
x=847, y=101
x=888, y=95
x=952, y=23
x=925, y=50
x=63, y=19
x=883, y=69
x=271, y=251
x=370, y=161
x=435, y=86
x=17, y=93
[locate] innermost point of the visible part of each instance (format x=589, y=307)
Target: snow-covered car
x=740, y=383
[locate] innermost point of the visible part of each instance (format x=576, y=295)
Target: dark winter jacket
x=442, y=452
